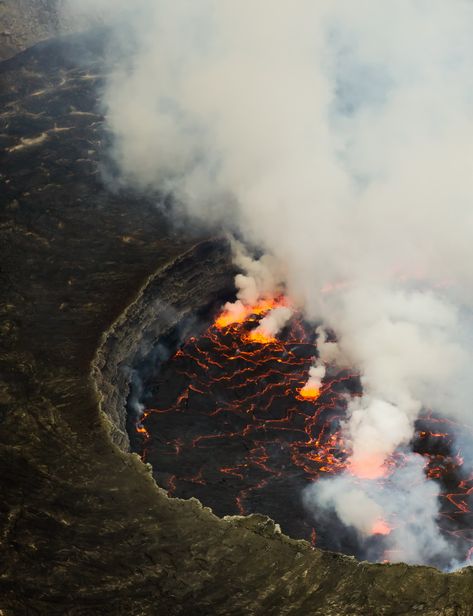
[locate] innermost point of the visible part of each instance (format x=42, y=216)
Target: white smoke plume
x=262, y=277
x=338, y=136
x=355, y=508
x=316, y=375
x=329, y=351
x=262, y=280
x=274, y=321
x=404, y=511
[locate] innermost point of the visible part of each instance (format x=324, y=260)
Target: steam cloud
x=405, y=496
x=338, y=136
x=274, y=321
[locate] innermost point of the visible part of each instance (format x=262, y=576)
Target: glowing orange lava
x=309, y=392
x=265, y=305
x=228, y=317
x=239, y=313
x=381, y=527
x=259, y=336
x=142, y=430
x=369, y=466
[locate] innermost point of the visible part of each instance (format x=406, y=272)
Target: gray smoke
x=402, y=510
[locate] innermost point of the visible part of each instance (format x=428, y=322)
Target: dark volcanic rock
x=83, y=527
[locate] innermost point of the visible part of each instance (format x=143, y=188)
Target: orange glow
x=229, y=317
x=380, y=527
x=239, y=313
x=264, y=305
x=309, y=392
x=259, y=336
x=142, y=430
x=368, y=466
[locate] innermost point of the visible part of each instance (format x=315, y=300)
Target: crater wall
x=176, y=291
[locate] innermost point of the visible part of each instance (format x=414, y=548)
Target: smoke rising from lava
x=338, y=137
x=274, y=321
x=374, y=509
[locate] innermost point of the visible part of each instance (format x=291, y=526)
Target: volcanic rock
x=25, y=22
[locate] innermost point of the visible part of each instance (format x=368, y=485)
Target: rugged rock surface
x=175, y=292
x=25, y=22
x=83, y=527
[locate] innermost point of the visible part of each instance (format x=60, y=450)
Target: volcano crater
x=220, y=416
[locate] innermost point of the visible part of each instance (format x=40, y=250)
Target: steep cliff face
x=84, y=529
x=178, y=290
x=25, y=22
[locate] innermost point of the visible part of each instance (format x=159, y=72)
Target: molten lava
x=258, y=336
x=238, y=312
x=309, y=392
x=368, y=466
x=381, y=528
x=230, y=317
x=230, y=419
